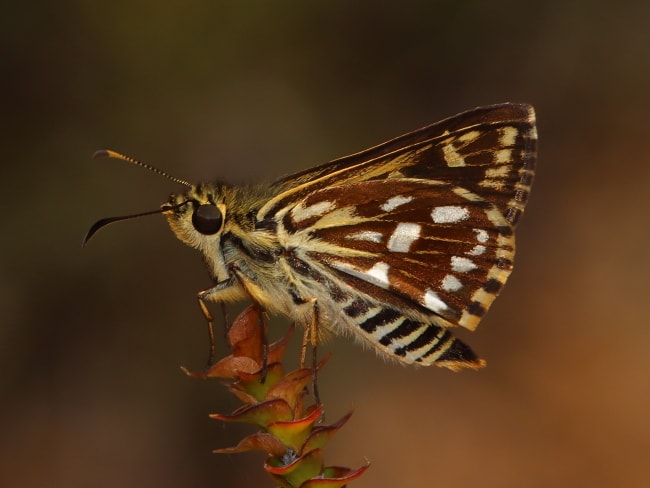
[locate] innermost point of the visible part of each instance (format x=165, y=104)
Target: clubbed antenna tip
x=108, y=153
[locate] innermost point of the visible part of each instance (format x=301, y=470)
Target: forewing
x=490, y=151
x=431, y=247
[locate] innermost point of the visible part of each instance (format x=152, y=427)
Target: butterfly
x=396, y=245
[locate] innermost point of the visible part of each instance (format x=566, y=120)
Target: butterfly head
x=198, y=216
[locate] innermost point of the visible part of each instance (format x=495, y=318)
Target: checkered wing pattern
x=419, y=230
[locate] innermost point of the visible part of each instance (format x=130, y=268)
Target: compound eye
x=207, y=219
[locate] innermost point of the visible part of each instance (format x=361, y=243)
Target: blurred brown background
x=92, y=340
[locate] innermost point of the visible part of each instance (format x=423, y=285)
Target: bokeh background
x=91, y=340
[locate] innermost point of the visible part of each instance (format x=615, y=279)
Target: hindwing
x=428, y=247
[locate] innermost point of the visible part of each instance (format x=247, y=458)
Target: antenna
x=107, y=153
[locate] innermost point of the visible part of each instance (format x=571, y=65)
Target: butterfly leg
x=310, y=334
x=214, y=293
x=238, y=286
x=209, y=319
x=313, y=337
x=310, y=338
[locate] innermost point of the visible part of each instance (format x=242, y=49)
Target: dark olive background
x=92, y=339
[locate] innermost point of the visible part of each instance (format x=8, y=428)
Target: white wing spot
x=366, y=235
x=503, y=156
x=451, y=283
x=301, y=213
x=449, y=214
x=498, y=172
x=476, y=250
x=462, y=265
x=404, y=235
x=452, y=158
x=508, y=136
x=492, y=184
x=394, y=202
x=469, y=136
x=433, y=302
x=481, y=235
x=377, y=275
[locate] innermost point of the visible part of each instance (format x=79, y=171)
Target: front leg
x=236, y=287
x=224, y=291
